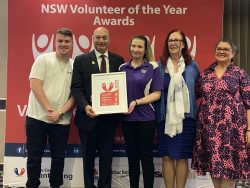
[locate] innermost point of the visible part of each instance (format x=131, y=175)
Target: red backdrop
x=32, y=26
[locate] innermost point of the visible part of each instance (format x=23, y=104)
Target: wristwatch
x=60, y=112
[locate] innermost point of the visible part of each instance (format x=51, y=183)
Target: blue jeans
x=38, y=133
x=139, y=138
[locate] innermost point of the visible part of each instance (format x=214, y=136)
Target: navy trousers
x=139, y=138
x=100, y=139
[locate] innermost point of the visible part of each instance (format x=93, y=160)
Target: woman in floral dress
x=223, y=130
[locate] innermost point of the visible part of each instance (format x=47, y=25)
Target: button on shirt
x=141, y=81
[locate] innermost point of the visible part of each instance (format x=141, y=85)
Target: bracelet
x=247, y=130
x=137, y=102
x=60, y=112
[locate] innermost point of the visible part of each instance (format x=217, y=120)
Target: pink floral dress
x=220, y=146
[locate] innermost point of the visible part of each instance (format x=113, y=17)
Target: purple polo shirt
x=141, y=81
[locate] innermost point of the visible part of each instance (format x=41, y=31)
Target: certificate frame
x=109, y=93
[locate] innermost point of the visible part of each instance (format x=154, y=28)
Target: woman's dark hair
x=187, y=57
x=233, y=47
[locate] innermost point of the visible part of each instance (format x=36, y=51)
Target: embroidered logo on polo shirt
x=143, y=71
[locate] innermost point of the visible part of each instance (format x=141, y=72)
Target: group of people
x=162, y=98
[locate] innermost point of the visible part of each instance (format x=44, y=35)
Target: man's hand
x=53, y=116
x=90, y=112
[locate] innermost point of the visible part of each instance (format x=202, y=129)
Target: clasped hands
x=53, y=115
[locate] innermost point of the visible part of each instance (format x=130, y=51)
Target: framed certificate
x=109, y=93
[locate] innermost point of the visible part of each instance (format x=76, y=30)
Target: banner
x=31, y=31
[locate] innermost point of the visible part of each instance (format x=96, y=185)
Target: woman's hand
x=131, y=107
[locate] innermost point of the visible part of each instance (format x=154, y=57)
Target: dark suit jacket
x=81, y=86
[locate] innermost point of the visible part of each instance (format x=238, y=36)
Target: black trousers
x=139, y=138
x=38, y=133
x=100, y=139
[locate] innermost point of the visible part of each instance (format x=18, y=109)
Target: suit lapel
x=111, y=63
x=94, y=62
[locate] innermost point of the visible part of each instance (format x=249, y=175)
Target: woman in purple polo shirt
x=144, y=85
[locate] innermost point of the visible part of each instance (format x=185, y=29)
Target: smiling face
x=224, y=52
x=101, y=39
x=137, y=49
x=64, y=45
x=175, y=44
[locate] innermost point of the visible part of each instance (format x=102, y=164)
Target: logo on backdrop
x=20, y=150
x=44, y=43
x=76, y=150
x=19, y=172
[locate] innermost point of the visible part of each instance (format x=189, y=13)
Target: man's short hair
x=65, y=32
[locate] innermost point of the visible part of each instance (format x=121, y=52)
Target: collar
x=213, y=65
x=98, y=54
x=145, y=64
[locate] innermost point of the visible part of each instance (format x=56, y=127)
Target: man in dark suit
x=96, y=131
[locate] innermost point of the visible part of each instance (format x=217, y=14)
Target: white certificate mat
x=109, y=93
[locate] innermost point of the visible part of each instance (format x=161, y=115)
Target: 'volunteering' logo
x=19, y=172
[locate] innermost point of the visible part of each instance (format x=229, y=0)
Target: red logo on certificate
x=110, y=94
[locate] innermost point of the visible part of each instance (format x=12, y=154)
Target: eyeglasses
x=175, y=41
x=222, y=50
